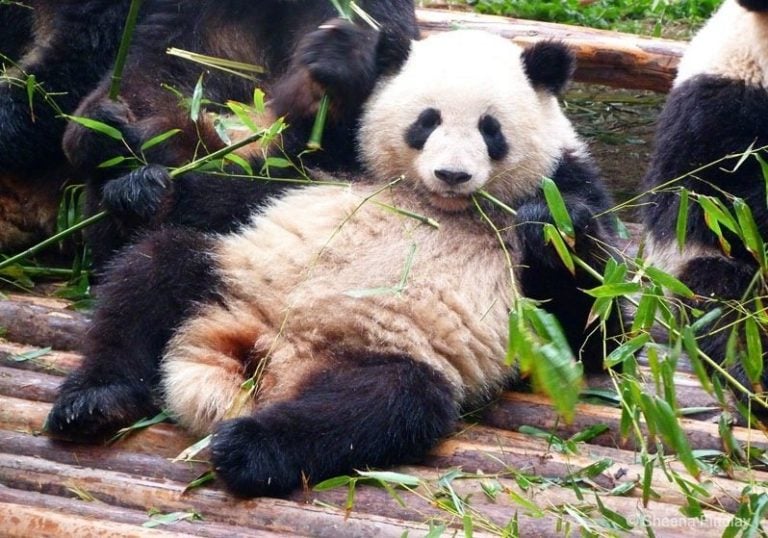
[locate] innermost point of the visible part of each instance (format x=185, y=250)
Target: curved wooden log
x=604, y=57
x=41, y=325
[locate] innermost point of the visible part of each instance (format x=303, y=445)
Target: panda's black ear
x=754, y=5
x=549, y=65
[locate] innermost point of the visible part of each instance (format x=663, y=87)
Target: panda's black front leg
x=343, y=61
x=148, y=291
x=364, y=411
x=545, y=277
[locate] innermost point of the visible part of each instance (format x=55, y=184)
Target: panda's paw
x=340, y=56
x=138, y=196
x=250, y=460
x=93, y=414
x=529, y=230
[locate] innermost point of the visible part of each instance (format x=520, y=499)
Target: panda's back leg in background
x=149, y=289
x=723, y=280
x=364, y=410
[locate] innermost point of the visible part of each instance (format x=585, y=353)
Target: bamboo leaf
x=277, y=162
x=241, y=162
x=139, y=425
x=316, y=136
x=668, y=281
x=389, y=477
x=243, y=114
x=692, y=350
x=159, y=139
x=258, y=101
x=114, y=161
x=764, y=169
x=614, y=290
x=31, y=355
x=753, y=358
x=672, y=432
x=207, y=476
x=551, y=235
x=193, y=450
x=626, y=350
x=645, y=315
x=749, y=232
x=197, y=100
x=157, y=520
x=557, y=207
x=333, y=483
x=97, y=126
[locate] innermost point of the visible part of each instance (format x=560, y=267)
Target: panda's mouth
x=450, y=201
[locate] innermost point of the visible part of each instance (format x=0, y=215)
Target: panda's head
x=468, y=111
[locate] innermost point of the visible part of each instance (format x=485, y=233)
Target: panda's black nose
x=452, y=177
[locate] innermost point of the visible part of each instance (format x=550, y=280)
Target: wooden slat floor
x=49, y=488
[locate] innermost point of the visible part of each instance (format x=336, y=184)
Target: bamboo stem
x=122, y=53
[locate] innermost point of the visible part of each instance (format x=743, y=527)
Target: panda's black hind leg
x=147, y=292
x=725, y=280
x=357, y=414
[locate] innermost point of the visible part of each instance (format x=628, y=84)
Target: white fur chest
x=335, y=267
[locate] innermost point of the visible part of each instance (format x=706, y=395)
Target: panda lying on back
x=717, y=107
x=352, y=372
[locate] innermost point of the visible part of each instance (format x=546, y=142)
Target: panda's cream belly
x=331, y=269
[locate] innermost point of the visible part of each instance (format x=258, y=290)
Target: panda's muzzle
x=452, y=177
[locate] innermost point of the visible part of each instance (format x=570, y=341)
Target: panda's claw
x=93, y=414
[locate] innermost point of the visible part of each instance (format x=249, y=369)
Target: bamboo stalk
x=122, y=52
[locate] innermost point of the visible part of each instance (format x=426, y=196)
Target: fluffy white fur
x=317, y=272
x=733, y=44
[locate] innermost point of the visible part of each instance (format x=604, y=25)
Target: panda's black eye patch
x=494, y=139
x=418, y=133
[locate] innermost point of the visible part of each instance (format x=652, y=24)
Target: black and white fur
x=717, y=107
x=67, y=46
x=305, y=53
x=351, y=370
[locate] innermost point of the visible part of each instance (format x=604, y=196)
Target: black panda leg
x=148, y=291
x=380, y=411
x=724, y=279
x=544, y=277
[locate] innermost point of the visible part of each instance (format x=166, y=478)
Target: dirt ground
x=619, y=127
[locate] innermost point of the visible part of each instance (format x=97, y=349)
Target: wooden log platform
x=50, y=488
x=522, y=482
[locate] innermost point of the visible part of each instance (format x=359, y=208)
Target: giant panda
x=304, y=53
x=67, y=46
x=717, y=108
x=351, y=369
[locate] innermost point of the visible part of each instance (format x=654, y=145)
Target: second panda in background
x=67, y=46
x=717, y=107
x=276, y=35
x=365, y=328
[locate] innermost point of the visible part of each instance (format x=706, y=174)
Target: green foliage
x=646, y=16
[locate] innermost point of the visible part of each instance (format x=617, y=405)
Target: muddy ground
x=619, y=127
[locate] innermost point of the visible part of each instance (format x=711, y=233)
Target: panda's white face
x=460, y=116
